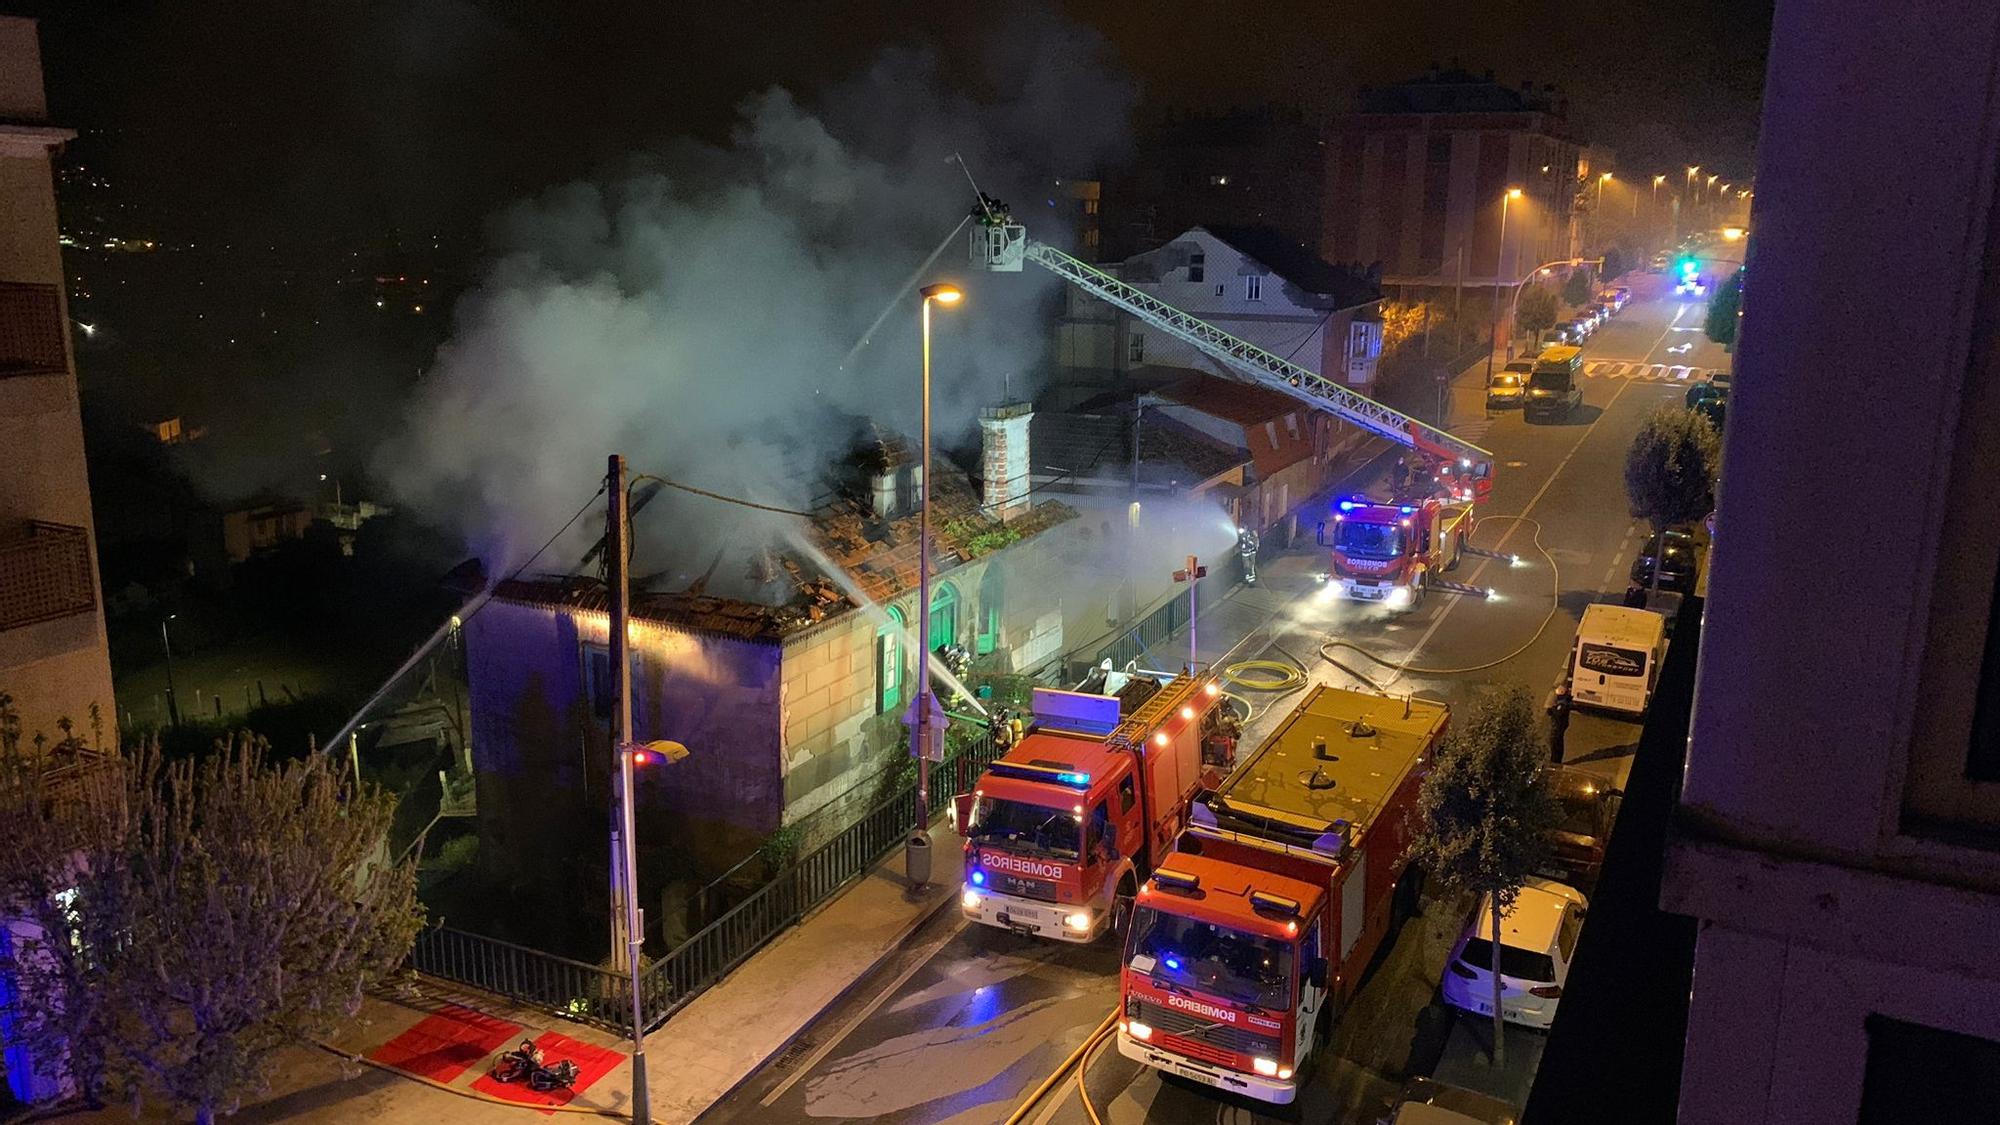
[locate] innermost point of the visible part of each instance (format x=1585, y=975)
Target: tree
x=1487, y=810
x=1614, y=262
x=1538, y=309
x=213, y=910
x=1401, y=322
x=1670, y=472
x=1576, y=287
x=1725, y=311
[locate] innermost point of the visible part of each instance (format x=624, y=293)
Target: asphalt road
x=963, y=1021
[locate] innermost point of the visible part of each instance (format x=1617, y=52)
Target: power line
x=737, y=500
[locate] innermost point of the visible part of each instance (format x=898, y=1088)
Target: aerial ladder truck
x=1463, y=472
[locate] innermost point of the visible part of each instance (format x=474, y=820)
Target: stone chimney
x=1003, y=448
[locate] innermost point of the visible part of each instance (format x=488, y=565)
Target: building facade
x=1253, y=283
x=1838, y=836
x=53, y=657
x=1417, y=177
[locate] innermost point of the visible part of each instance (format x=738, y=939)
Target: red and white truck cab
x=1060, y=831
x=1389, y=551
x=1255, y=930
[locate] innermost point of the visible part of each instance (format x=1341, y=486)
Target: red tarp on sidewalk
x=592, y=1064
x=441, y=1046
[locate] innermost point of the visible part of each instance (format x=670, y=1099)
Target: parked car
x=1659, y=263
x=1682, y=565
x=1426, y=1101
x=1581, y=328
x=1557, y=336
x=1510, y=384
x=1538, y=938
x=1597, y=312
x=1615, y=298
x=1589, y=808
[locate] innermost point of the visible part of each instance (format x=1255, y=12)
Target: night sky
x=429, y=114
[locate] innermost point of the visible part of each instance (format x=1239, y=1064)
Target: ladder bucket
x=999, y=249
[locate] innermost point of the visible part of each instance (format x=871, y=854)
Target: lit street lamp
x=924, y=728
x=173, y=707
x=1493, y=314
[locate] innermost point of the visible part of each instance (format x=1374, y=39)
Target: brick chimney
x=1003, y=448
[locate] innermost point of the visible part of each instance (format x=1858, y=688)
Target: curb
x=903, y=936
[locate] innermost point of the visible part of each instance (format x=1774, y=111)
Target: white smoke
x=693, y=312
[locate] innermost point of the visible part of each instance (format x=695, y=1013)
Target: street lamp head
x=1605, y=176
x=1693, y=168
x=1513, y=193
x=942, y=293
x=1659, y=179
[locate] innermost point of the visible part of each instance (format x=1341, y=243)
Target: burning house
x=790, y=701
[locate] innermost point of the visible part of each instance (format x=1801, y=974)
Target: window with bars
x=31, y=330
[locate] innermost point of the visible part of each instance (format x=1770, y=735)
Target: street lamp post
x=917, y=850
x=1493, y=310
x=1602, y=179
x=173, y=705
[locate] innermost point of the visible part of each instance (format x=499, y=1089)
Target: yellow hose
x=1555, y=603
x=1287, y=677
x=1061, y=1071
x=1083, y=1069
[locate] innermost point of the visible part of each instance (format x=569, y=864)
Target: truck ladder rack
x=1130, y=732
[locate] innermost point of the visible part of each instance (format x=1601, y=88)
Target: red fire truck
x=1253, y=932
x=1392, y=551
x=1061, y=829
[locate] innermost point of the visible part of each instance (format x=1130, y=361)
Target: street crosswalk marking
x=1472, y=431
x=1646, y=372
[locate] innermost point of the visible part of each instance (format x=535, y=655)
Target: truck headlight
x=1078, y=922
x=1266, y=1067
x=1400, y=596
x=1140, y=1031
x=970, y=900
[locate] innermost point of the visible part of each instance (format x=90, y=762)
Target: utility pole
x=173, y=704
x=1193, y=575
x=628, y=932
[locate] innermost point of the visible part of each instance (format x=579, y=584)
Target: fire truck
x=1061, y=829
x=1253, y=933
x=1391, y=551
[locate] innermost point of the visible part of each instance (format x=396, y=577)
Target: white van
x=1617, y=657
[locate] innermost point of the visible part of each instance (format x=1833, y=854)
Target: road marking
x=804, y=1066
x=1513, y=525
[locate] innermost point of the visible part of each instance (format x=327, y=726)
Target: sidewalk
x=715, y=1042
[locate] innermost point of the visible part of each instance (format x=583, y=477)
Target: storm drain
x=793, y=1055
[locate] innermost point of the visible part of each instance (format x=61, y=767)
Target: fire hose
x=1093, y=1040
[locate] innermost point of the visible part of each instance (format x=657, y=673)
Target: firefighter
x=1559, y=708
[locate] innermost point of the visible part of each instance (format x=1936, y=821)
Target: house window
x=31, y=330
x=944, y=616
x=1292, y=424
x=598, y=690
x=1090, y=206
x=1253, y=288
x=1135, y=347
x=889, y=664
x=1913, y=1072
x=1197, y=261
x=1218, y=181
x=989, y=630
x=1222, y=290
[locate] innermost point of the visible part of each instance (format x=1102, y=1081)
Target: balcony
x=31, y=330
x=44, y=574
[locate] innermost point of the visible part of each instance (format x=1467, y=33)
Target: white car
x=1537, y=943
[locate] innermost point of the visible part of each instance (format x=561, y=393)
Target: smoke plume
x=692, y=312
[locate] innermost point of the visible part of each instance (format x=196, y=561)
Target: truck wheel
x=1457, y=551
x=1417, y=585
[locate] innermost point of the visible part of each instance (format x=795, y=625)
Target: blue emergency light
x=1407, y=509
x=979, y=878
x=1080, y=780
x=1347, y=505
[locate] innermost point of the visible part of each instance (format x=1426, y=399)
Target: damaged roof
x=1341, y=287
x=878, y=554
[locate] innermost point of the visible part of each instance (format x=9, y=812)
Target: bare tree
x=1670, y=473
x=190, y=918
x=1486, y=811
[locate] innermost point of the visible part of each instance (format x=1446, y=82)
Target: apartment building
x=53, y=659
